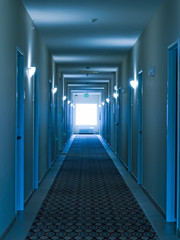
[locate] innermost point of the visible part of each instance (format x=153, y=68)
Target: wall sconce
x=115, y=95
x=107, y=100
x=115, y=88
x=54, y=90
x=134, y=83
x=64, y=98
x=69, y=102
x=99, y=105
x=30, y=71
x=103, y=103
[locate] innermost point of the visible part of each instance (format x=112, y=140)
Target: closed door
x=172, y=134
x=36, y=127
x=140, y=131
x=50, y=126
x=19, y=135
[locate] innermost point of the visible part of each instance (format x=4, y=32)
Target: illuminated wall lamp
x=64, y=98
x=69, y=102
x=115, y=95
x=30, y=71
x=99, y=105
x=54, y=90
x=107, y=100
x=103, y=103
x=134, y=83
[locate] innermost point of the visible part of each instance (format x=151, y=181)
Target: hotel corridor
x=88, y=194
x=90, y=200
x=90, y=120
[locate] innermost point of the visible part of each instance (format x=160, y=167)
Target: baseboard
x=41, y=180
x=154, y=202
x=8, y=229
x=133, y=176
x=39, y=183
x=28, y=199
x=125, y=166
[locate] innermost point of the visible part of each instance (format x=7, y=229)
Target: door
x=50, y=126
x=140, y=148
x=19, y=134
x=118, y=123
x=107, y=122
x=130, y=131
x=172, y=133
x=117, y=134
x=36, y=127
x=56, y=124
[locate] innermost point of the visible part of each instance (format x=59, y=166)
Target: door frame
x=172, y=188
x=50, y=126
x=36, y=129
x=130, y=130
x=118, y=139
x=19, y=133
x=140, y=129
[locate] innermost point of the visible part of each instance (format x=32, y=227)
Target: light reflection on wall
x=135, y=70
x=29, y=57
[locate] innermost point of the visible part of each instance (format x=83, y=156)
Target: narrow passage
x=90, y=200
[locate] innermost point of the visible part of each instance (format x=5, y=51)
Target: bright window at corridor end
x=86, y=114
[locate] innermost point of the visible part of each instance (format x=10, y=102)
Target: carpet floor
x=90, y=200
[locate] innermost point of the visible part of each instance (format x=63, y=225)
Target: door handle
x=18, y=137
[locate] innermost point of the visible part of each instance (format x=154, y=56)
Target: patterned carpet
x=90, y=200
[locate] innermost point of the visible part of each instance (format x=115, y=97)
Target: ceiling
x=77, y=43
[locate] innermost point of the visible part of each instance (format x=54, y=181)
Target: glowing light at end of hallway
x=134, y=83
x=86, y=114
x=99, y=105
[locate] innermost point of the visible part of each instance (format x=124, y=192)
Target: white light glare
x=86, y=114
x=134, y=83
x=30, y=72
x=103, y=103
x=64, y=98
x=54, y=90
x=69, y=102
x=99, y=105
x=107, y=100
x=115, y=95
